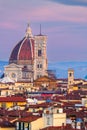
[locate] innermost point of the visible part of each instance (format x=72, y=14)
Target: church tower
x=40, y=56
x=70, y=77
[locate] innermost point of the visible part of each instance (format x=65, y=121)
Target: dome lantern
x=28, y=31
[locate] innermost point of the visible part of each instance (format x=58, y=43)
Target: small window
x=39, y=53
x=14, y=103
x=57, y=111
x=70, y=74
x=3, y=105
x=38, y=66
x=48, y=121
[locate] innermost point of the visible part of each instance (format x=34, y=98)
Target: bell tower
x=40, y=55
x=70, y=77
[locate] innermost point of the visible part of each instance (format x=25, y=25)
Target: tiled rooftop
x=68, y=127
x=12, y=99
x=28, y=119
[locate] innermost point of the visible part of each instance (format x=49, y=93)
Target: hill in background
x=61, y=68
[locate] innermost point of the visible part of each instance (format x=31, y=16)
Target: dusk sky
x=63, y=21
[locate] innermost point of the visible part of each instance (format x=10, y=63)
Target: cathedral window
x=40, y=65
x=25, y=75
x=39, y=53
x=13, y=75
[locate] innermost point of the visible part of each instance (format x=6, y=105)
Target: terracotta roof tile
x=12, y=99
x=28, y=119
x=67, y=127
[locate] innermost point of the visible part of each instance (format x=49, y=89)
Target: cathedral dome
x=23, y=52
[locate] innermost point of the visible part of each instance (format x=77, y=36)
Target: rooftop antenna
x=40, y=29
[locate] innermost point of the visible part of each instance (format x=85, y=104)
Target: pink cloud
x=46, y=13
x=8, y=25
x=58, y=12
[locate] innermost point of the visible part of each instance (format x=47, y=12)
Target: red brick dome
x=24, y=50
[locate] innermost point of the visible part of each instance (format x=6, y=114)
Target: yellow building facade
x=7, y=102
x=7, y=128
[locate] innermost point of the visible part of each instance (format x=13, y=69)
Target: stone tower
x=70, y=77
x=40, y=56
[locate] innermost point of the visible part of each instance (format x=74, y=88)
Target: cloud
x=72, y=2
x=52, y=13
x=8, y=25
x=15, y=16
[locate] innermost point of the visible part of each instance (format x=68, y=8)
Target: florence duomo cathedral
x=28, y=59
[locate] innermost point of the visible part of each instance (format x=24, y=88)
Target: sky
x=63, y=21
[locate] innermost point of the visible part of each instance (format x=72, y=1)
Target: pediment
x=12, y=65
